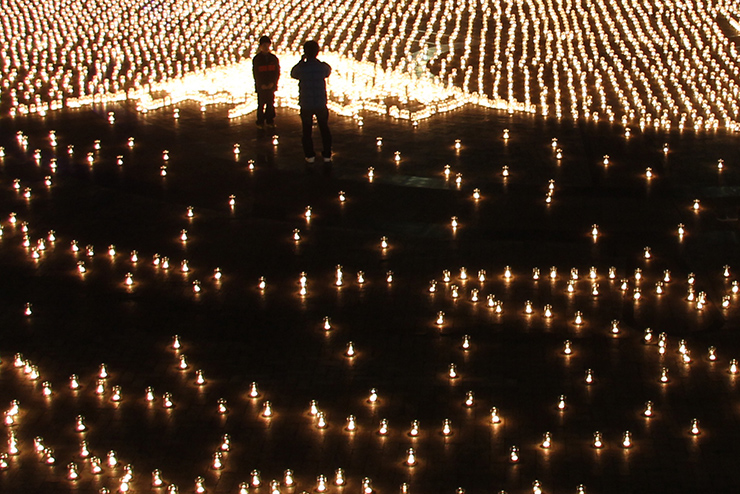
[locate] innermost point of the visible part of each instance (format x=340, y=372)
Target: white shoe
x=310, y=159
x=327, y=159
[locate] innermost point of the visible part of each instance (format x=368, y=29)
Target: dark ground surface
x=237, y=334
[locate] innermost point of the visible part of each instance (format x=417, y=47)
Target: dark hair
x=310, y=49
x=265, y=39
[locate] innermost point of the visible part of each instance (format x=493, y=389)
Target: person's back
x=311, y=74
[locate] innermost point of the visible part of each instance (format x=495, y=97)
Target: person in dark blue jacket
x=311, y=74
x=266, y=71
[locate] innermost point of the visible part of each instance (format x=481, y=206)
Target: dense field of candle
x=664, y=65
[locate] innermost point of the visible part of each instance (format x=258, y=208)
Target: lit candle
x=466, y=342
x=495, y=418
x=589, y=376
x=199, y=485
x=561, y=403
x=440, y=318
x=373, y=398
x=157, y=478
x=648, y=411
x=351, y=425
x=648, y=336
x=454, y=291
x=469, y=399
x=167, y=400
x=695, y=427
x=414, y=428
x=267, y=409
x=255, y=480
x=217, y=463
x=597, y=440
x=514, y=454
x=288, y=478
x=410, y=457
x=95, y=467
x=567, y=349
x=383, y=428
x=627, y=439
x=733, y=367
x=447, y=427
x=321, y=483
x=253, y=391
x=546, y=441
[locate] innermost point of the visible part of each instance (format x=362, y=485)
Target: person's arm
x=328, y=70
x=277, y=73
x=254, y=73
x=295, y=72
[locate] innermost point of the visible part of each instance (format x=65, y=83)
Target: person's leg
x=270, y=107
x=307, y=141
x=260, y=107
x=322, y=118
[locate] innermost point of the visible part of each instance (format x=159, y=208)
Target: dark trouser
x=322, y=119
x=265, y=106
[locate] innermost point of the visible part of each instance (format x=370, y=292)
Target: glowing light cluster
x=661, y=66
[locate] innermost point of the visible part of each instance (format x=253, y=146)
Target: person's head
x=310, y=49
x=265, y=44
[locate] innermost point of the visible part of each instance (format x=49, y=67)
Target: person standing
x=266, y=70
x=311, y=74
